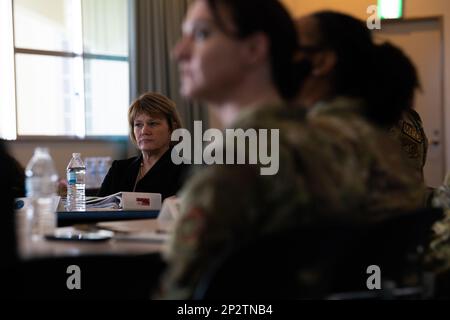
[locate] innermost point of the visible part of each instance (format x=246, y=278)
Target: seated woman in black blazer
x=151, y=118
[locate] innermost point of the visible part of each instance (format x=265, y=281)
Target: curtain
x=157, y=26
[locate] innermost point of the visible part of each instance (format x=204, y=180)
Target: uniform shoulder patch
x=411, y=132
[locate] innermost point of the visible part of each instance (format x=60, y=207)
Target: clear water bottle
x=41, y=184
x=76, y=184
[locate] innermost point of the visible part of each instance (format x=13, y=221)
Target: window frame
x=131, y=5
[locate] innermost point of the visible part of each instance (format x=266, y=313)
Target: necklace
x=139, y=175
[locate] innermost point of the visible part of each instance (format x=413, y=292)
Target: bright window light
x=390, y=9
x=7, y=89
x=64, y=68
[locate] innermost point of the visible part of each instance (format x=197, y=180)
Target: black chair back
x=314, y=263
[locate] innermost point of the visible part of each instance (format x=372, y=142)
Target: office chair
x=398, y=246
x=325, y=262
x=271, y=266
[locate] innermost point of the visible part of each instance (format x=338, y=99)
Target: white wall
x=412, y=9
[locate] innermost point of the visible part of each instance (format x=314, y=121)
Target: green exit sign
x=390, y=9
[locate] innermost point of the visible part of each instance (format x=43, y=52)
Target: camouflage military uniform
x=386, y=164
x=440, y=249
x=332, y=164
x=410, y=135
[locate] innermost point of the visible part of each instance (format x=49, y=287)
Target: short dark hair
x=352, y=43
x=271, y=18
x=398, y=79
x=380, y=74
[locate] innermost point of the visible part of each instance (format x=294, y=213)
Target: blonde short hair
x=153, y=104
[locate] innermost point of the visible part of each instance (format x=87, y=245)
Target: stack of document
x=126, y=201
x=113, y=201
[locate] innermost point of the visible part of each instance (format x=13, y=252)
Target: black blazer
x=164, y=177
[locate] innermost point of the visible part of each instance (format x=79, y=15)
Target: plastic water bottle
x=76, y=184
x=41, y=185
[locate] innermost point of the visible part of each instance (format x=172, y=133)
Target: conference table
x=133, y=237
x=128, y=265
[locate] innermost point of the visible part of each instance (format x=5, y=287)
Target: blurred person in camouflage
x=399, y=88
x=338, y=46
x=331, y=168
x=408, y=132
x=233, y=58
